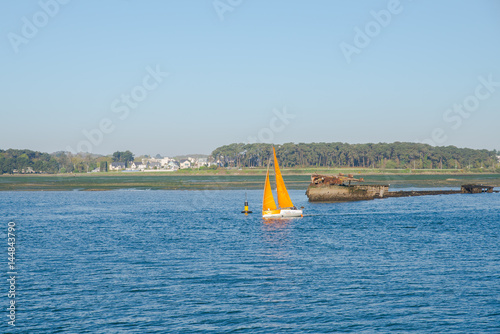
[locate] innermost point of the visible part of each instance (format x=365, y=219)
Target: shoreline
x=259, y=172
x=169, y=181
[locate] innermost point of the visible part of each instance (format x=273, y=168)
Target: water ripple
x=183, y=262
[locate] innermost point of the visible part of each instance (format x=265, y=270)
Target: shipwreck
x=342, y=188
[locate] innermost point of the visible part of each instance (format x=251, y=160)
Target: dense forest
x=381, y=155
x=28, y=161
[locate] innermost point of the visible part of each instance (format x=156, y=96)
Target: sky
x=184, y=77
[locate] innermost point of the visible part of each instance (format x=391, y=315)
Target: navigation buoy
x=246, y=211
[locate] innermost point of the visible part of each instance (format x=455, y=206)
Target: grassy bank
x=309, y=171
x=262, y=171
x=192, y=181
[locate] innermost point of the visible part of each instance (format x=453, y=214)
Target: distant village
x=409, y=156
x=164, y=164
x=14, y=161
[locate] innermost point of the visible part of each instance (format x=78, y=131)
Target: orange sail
x=268, y=202
x=284, y=200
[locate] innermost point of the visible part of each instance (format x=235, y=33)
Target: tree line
x=381, y=155
x=13, y=160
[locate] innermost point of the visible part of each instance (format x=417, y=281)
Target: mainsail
x=268, y=202
x=284, y=200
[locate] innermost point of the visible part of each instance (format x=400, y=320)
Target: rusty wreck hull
x=343, y=193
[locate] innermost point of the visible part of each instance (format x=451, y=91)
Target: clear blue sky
x=227, y=76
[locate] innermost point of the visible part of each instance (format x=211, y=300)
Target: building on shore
x=117, y=166
x=185, y=163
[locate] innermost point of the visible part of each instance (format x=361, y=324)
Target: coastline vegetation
x=396, y=155
x=296, y=159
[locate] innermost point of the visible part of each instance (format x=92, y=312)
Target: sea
x=188, y=261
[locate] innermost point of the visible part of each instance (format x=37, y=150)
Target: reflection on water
x=276, y=236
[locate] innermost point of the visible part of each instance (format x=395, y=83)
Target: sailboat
x=285, y=206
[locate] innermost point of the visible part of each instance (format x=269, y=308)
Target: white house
x=154, y=165
x=185, y=164
x=137, y=165
x=117, y=166
x=149, y=160
x=165, y=161
x=173, y=165
x=202, y=162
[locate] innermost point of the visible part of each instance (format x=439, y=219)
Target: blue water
x=189, y=261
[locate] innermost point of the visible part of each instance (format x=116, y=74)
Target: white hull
x=284, y=214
